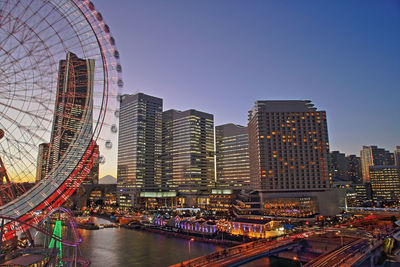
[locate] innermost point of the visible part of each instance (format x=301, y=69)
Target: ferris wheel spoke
x=22, y=127
x=17, y=22
x=21, y=137
x=29, y=113
x=19, y=147
x=51, y=25
x=8, y=15
x=12, y=139
x=37, y=100
x=6, y=63
x=38, y=126
x=16, y=172
x=36, y=38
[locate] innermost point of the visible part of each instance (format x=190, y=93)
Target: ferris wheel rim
x=107, y=80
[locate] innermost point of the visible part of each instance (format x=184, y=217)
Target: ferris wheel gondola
x=60, y=78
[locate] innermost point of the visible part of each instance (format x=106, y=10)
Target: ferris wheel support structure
x=35, y=36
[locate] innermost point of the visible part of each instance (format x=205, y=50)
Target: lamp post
x=190, y=240
x=341, y=238
x=295, y=258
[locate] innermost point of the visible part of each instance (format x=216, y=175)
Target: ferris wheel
x=60, y=78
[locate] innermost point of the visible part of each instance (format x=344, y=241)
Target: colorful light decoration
x=57, y=233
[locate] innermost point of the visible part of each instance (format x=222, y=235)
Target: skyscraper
x=93, y=176
x=288, y=146
x=385, y=183
x=73, y=101
x=374, y=156
x=345, y=168
x=188, y=151
x=353, y=172
x=42, y=158
x=338, y=166
x=232, y=156
x=139, y=147
x=397, y=156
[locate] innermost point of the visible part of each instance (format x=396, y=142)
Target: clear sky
x=219, y=56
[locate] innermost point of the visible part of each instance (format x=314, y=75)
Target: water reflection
x=124, y=247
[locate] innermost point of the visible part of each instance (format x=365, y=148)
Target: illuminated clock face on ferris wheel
x=59, y=82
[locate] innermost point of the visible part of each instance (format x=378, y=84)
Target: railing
x=239, y=253
x=319, y=261
x=22, y=226
x=368, y=209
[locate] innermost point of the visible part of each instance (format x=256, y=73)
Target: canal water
x=111, y=247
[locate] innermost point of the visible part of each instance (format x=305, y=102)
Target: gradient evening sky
x=219, y=56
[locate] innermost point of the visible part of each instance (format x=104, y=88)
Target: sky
x=220, y=56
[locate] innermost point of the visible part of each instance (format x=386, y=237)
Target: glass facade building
x=288, y=146
x=385, y=183
x=397, y=156
x=374, y=156
x=345, y=168
x=93, y=176
x=41, y=165
x=74, y=100
x=188, y=151
x=232, y=157
x=338, y=165
x=139, y=147
x=354, y=169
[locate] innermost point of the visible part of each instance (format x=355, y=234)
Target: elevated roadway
x=351, y=254
x=238, y=255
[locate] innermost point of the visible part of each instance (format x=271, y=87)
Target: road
x=339, y=256
x=239, y=253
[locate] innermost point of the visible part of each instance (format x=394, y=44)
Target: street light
x=341, y=238
x=190, y=240
x=297, y=259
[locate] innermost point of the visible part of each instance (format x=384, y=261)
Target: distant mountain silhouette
x=108, y=179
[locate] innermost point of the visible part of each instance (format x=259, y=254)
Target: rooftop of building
x=178, y=114
x=252, y=221
x=230, y=129
x=381, y=167
x=128, y=98
x=282, y=106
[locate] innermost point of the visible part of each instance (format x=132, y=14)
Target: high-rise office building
x=232, y=156
x=374, y=156
x=73, y=101
x=288, y=146
x=397, y=156
x=345, y=168
x=361, y=195
x=338, y=166
x=188, y=151
x=93, y=176
x=353, y=171
x=42, y=158
x=385, y=183
x=139, y=147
